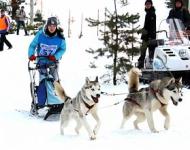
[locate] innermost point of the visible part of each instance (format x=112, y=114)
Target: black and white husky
x=77, y=108
x=144, y=102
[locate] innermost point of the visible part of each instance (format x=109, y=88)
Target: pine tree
x=38, y=16
x=118, y=33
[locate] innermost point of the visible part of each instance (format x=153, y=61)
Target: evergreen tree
x=38, y=16
x=118, y=33
x=15, y=4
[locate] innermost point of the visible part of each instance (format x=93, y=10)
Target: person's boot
x=151, y=63
x=26, y=34
x=34, y=109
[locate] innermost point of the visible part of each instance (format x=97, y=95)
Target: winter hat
x=148, y=1
x=181, y=1
x=52, y=21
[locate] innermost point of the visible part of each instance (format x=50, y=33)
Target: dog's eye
x=93, y=89
x=88, y=87
x=171, y=88
x=175, y=91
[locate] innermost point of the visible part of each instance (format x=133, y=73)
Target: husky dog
x=144, y=102
x=77, y=108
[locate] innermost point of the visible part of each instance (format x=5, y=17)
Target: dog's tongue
x=95, y=99
x=174, y=102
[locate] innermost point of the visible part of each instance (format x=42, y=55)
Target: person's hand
x=52, y=58
x=32, y=58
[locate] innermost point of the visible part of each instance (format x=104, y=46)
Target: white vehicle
x=172, y=53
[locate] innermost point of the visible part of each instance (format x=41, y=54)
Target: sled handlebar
x=37, y=65
x=44, y=66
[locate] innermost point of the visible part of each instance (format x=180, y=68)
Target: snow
x=19, y=131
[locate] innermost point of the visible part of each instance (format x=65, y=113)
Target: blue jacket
x=44, y=45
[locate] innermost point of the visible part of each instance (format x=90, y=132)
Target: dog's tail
x=133, y=81
x=60, y=91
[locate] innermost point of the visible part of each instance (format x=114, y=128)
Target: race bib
x=46, y=50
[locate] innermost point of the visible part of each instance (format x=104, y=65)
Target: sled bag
x=41, y=94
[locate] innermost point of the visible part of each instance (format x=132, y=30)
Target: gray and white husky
x=77, y=108
x=145, y=101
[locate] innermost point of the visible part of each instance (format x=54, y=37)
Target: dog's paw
x=95, y=132
x=166, y=127
x=77, y=131
x=92, y=137
x=154, y=131
x=136, y=126
x=62, y=133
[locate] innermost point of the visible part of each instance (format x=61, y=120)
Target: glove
x=32, y=58
x=52, y=58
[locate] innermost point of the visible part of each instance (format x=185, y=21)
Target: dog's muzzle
x=96, y=99
x=174, y=102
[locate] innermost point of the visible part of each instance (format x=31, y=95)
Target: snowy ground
x=19, y=131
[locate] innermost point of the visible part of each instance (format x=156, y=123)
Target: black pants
x=151, y=49
x=3, y=40
x=19, y=23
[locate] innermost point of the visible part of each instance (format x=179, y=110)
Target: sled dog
x=157, y=96
x=77, y=108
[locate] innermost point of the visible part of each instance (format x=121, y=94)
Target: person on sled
x=47, y=48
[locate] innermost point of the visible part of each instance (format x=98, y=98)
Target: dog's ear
x=166, y=81
x=96, y=80
x=87, y=80
x=179, y=82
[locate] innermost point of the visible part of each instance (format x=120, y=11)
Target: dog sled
x=172, y=53
x=41, y=88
